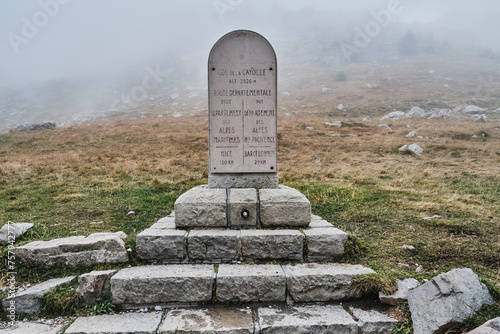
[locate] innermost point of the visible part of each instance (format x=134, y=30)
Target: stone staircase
x=261, y=252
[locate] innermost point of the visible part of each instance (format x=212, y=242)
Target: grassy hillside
x=85, y=179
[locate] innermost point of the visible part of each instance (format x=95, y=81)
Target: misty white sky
x=50, y=39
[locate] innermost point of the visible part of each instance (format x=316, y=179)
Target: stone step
x=163, y=243
x=74, y=251
x=186, y=284
x=325, y=318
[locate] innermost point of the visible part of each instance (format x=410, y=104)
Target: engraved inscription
x=242, y=108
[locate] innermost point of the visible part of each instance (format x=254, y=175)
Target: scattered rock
x=416, y=112
x=395, y=115
x=75, y=251
x=497, y=111
x=413, y=148
x=442, y=113
x=309, y=128
x=447, y=300
x=490, y=327
x=131, y=213
x=326, y=89
x=371, y=85
x=481, y=119
x=340, y=106
x=411, y=134
x=93, y=284
x=13, y=231
x=402, y=294
x=419, y=269
x=433, y=217
x=409, y=247
x=337, y=124
x=368, y=119
x=384, y=126
x=36, y=126
x=28, y=301
x=474, y=111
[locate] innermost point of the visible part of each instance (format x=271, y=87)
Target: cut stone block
x=325, y=244
x=208, y=321
x=306, y=319
x=163, y=284
x=373, y=322
x=284, y=207
x=272, y=244
x=12, y=231
x=93, y=284
x=33, y=328
x=251, y=283
x=213, y=245
x=239, y=200
x=164, y=223
x=27, y=301
x=320, y=223
x=161, y=244
x=75, y=251
x=313, y=282
x=133, y=323
x=201, y=207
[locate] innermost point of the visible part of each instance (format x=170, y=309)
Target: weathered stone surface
x=272, y=244
x=306, y=319
x=32, y=328
x=251, y=283
x=257, y=181
x=395, y=116
x=402, y=294
x=165, y=223
x=208, y=321
x=201, y=207
x=320, y=223
x=26, y=302
x=161, y=244
x=93, y=284
x=474, y=111
x=442, y=113
x=162, y=284
x=416, y=112
x=490, y=327
x=446, y=301
x=130, y=323
x=10, y=232
x=413, y=148
x=384, y=126
x=284, y=207
x=323, y=282
x=243, y=199
x=373, y=322
x=213, y=245
x=325, y=244
x=75, y=251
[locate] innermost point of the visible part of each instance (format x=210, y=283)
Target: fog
x=92, y=43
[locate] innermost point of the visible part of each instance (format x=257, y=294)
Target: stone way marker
x=242, y=106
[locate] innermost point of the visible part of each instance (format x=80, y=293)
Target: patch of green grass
x=62, y=301
x=103, y=305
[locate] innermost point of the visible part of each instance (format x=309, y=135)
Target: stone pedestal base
x=258, y=181
x=242, y=208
